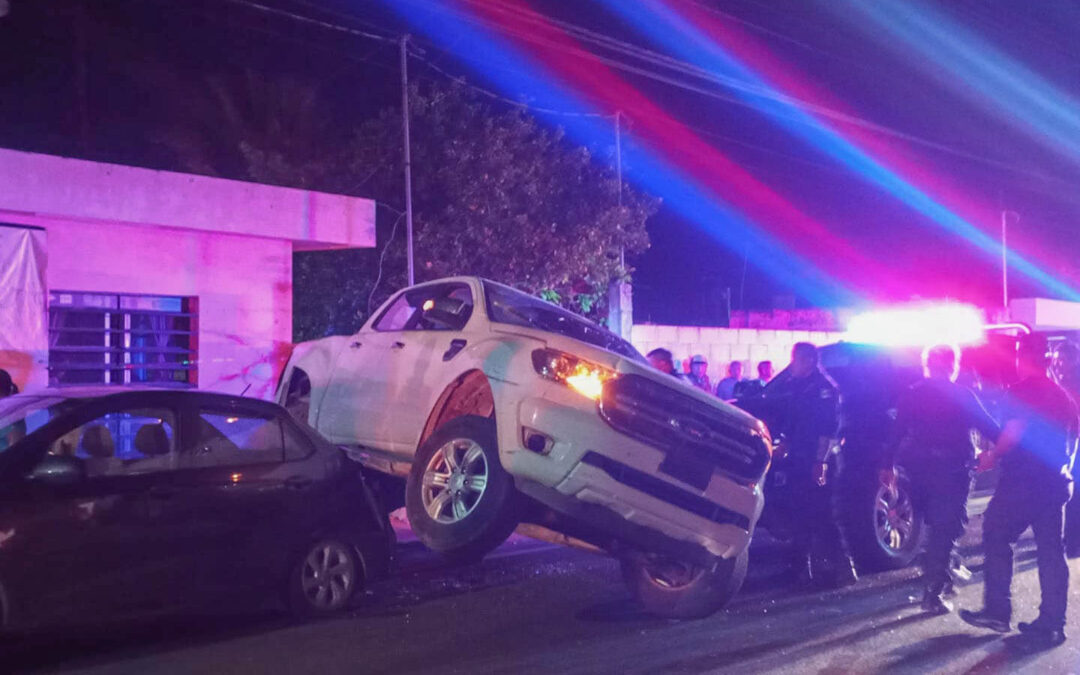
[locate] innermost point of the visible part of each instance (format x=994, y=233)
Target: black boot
x=934, y=603
x=984, y=619
x=1040, y=634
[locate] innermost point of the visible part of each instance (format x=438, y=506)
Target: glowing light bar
x=920, y=325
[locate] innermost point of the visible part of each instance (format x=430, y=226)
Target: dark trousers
x=1014, y=507
x=940, y=492
x=1072, y=525
x=817, y=533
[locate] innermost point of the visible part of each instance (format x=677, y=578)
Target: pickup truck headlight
x=584, y=377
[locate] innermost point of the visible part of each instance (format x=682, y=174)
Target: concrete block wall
x=721, y=346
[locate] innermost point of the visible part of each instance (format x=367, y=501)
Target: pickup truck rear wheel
x=460, y=500
x=673, y=589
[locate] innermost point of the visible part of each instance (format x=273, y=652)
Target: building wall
x=45, y=184
x=244, y=287
x=721, y=346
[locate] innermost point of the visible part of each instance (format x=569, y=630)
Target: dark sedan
x=118, y=501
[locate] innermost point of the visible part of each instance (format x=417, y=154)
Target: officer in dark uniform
x=1035, y=450
x=932, y=441
x=1066, y=370
x=804, y=409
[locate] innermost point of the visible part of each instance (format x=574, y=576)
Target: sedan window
x=237, y=438
x=121, y=443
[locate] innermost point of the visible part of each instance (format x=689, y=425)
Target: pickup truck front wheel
x=673, y=589
x=460, y=501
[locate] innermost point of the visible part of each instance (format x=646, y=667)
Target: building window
x=97, y=338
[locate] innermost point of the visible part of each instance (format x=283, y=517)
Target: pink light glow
x=919, y=325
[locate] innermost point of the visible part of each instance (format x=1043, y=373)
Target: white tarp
x=24, y=336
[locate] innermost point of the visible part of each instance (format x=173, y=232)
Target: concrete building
x=120, y=275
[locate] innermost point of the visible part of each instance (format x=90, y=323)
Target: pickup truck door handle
x=456, y=346
x=398, y=345
x=356, y=344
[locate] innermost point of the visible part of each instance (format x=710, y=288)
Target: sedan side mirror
x=58, y=471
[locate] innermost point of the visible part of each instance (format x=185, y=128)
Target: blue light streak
x=673, y=32
x=514, y=72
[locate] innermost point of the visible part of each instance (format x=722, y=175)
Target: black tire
x=326, y=578
x=691, y=593
x=875, y=544
x=468, y=524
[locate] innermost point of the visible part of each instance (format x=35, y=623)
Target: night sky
x=982, y=120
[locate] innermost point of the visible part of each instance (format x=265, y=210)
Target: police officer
x=804, y=404
x=1066, y=370
x=932, y=440
x=1035, y=451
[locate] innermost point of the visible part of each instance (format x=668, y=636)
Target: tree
x=497, y=195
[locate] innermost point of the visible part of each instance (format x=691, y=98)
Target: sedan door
x=88, y=546
x=240, y=488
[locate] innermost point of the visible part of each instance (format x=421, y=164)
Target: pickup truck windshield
x=505, y=305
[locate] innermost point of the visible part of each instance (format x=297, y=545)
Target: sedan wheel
x=326, y=579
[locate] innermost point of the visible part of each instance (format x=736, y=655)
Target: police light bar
x=919, y=325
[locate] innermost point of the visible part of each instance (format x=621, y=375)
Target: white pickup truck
x=499, y=408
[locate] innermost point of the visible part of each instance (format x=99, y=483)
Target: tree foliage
x=496, y=194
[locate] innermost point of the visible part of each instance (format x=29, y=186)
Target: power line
x=518, y=104
x=311, y=21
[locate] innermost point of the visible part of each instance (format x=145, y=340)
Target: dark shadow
x=737, y=655
x=931, y=654
x=89, y=645
x=1015, y=651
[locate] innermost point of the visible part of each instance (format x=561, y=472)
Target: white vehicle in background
x=499, y=409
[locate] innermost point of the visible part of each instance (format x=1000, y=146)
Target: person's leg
x=1072, y=527
x=945, y=509
x=1006, y=518
x=830, y=544
x=1047, y=526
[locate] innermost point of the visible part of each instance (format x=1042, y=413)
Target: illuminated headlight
x=584, y=377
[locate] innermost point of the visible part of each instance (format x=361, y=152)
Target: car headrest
x=152, y=440
x=97, y=441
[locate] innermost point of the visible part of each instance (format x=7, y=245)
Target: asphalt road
x=533, y=607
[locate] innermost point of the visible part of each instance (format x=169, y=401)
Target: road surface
x=536, y=608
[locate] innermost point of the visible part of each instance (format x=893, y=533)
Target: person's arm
x=1008, y=439
x=827, y=412
x=981, y=420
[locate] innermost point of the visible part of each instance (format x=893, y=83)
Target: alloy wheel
x=894, y=518
x=328, y=576
x=454, y=481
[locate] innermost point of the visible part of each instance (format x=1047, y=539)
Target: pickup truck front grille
x=696, y=437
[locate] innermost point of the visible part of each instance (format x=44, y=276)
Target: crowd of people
x=1032, y=442
x=732, y=387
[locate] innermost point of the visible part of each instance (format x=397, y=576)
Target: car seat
x=152, y=440
x=97, y=442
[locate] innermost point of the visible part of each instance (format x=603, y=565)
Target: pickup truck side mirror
x=57, y=471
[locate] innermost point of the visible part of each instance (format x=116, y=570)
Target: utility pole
x=620, y=294
x=408, y=157
x=1005, y=257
